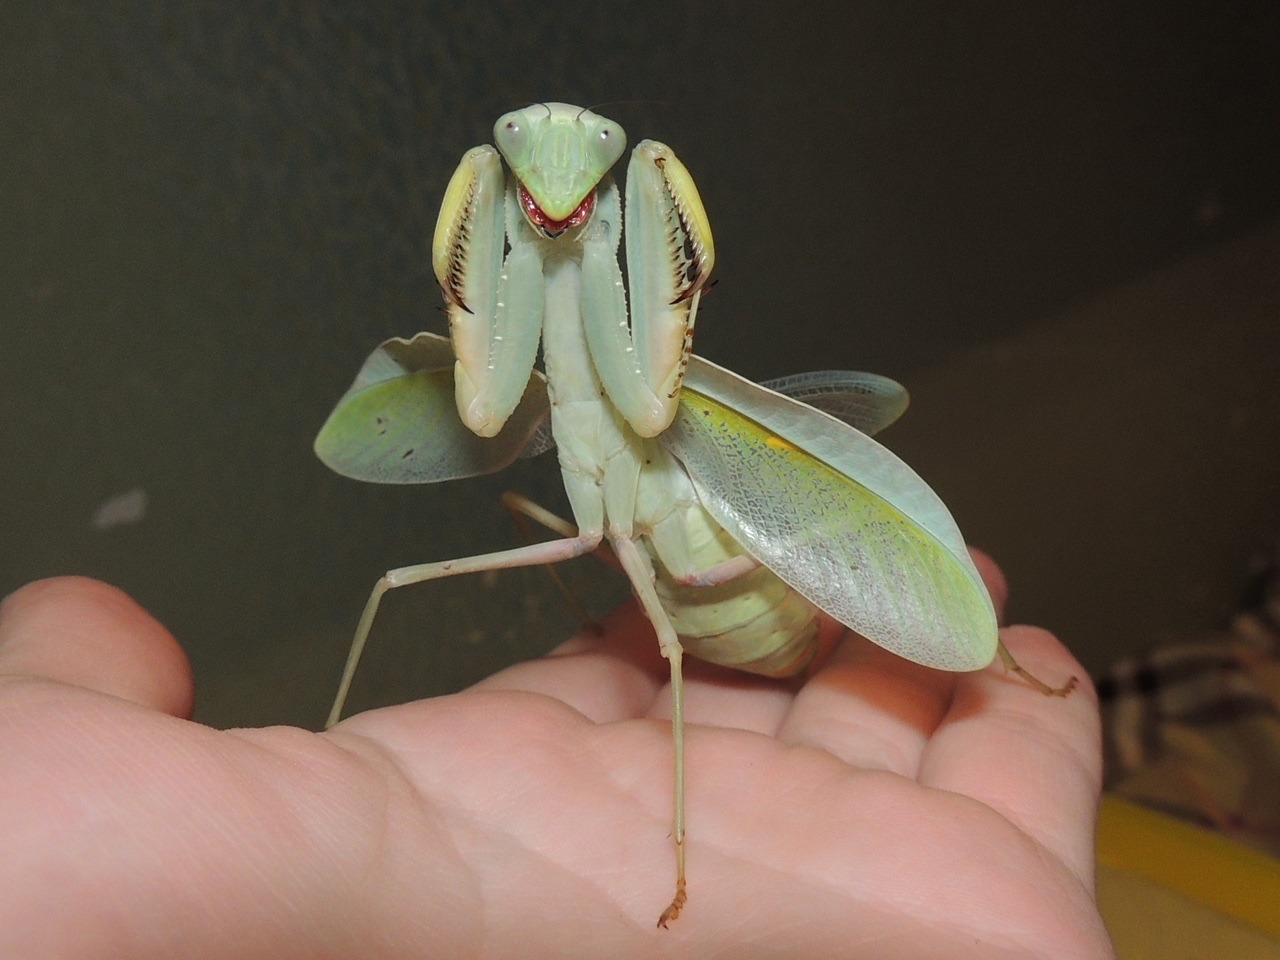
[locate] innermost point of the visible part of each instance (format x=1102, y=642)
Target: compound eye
x=608, y=143
x=511, y=133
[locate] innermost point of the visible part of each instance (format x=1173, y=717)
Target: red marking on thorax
x=540, y=219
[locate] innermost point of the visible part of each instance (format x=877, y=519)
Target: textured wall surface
x=211, y=212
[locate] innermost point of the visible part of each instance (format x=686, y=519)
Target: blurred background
x=1057, y=225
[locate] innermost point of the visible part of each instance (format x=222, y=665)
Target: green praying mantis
x=736, y=511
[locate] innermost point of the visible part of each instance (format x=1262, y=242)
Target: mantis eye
x=609, y=142
x=511, y=134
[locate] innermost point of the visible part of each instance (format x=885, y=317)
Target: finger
x=613, y=673
x=87, y=633
x=722, y=697
x=1034, y=759
x=869, y=707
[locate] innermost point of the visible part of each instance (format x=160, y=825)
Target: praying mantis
x=736, y=511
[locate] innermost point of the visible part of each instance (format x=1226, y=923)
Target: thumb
x=87, y=633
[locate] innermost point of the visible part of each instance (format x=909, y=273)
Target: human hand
x=879, y=809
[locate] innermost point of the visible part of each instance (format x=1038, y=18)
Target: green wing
x=399, y=423
x=836, y=516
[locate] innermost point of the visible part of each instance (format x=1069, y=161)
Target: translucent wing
x=399, y=423
x=541, y=441
x=407, y=383
x=866, y=401
x=835, y=515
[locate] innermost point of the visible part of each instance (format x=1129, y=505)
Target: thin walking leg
x=1011, y=664
x=519, y=505
x=723, y=572
x=522, y=510
x=551, y=551
x=640, y=573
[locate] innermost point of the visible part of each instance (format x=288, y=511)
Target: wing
x=399, y=423
x=402, y=395
x=836, y=516
x=866, y=401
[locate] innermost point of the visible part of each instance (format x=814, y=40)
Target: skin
x=877, y=810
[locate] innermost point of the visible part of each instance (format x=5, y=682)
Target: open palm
x=879, y=809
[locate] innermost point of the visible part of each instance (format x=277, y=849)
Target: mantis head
x=559, y=153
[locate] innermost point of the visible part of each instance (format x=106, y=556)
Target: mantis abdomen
x=752, y=621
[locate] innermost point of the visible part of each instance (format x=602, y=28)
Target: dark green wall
x=211, y=212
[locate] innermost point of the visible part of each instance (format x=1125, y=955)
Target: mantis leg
x=522, y=509
x=1013, y=665
x=640, y=573
x=730, y=569
x=551, y=551
x=495, y=305
x=519, y=505
x=641, y=356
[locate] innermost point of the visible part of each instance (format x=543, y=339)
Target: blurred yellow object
x=1169, y=890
